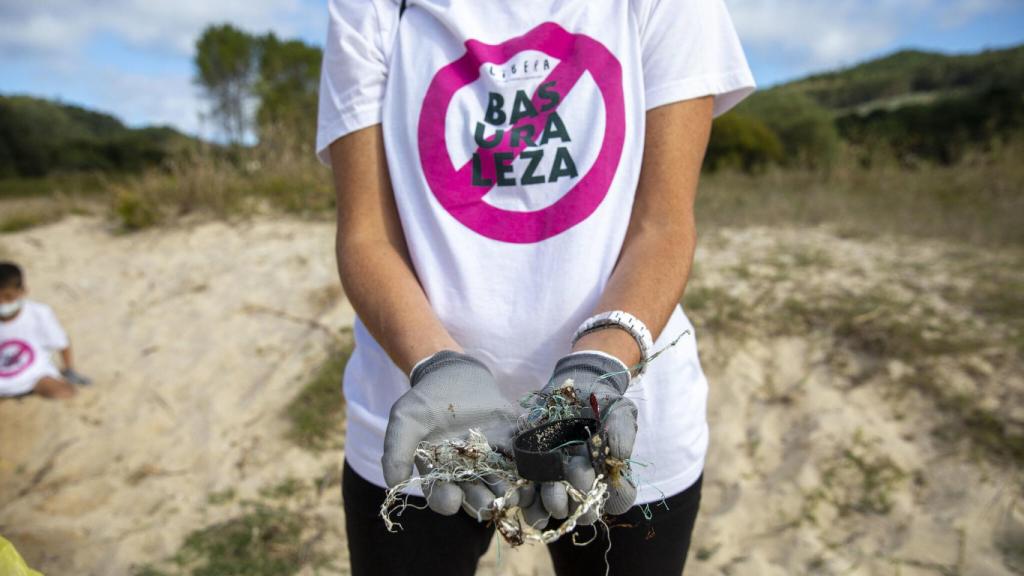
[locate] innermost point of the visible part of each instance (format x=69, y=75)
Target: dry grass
x=980, y=200
x=17, y=214
x=283, y=177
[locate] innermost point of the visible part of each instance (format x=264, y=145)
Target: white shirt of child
x=514, y=135
x=26, y=343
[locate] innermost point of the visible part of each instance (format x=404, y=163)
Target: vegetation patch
x=975, y=200
x=968, y=419
x=857, y=480
x=714, y=309
x=261, y=541
x=18, y=214
x=885, y=328
x=287, y=488
x=880, y=325
x=941, y=324
x=18, y=220
x=316, y=414
x=223, y=497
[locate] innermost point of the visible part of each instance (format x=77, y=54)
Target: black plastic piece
x=541, y=451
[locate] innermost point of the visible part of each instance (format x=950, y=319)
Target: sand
x=197, y=336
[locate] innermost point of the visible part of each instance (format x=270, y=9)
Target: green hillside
x=40, y=137
x=913, y=77
x=911, y=106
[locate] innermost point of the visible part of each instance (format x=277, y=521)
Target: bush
x=806, y=130
x=134, y=211
x=943, y=131
x=742, y=142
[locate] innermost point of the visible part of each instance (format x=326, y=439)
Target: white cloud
x=820, y=34
x=39, y=32
x=140, y=99
x=165, y=25
x=816, y=34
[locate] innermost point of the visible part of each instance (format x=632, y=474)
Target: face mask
x=10, y=308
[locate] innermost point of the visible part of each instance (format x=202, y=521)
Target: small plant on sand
x=285, y=489
x=968, y=419
x=262, y=541
x=713, y=309
x=223, y=497
x=316, y=414
x=857, y=480
x=881, y=325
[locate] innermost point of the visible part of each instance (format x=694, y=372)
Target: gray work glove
x=605, y=378
x=75, y=378
x=451, y=393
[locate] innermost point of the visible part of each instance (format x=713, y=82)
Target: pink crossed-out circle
x=453, y=188
x=19, y=360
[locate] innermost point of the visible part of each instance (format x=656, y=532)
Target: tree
x=289, y=78
x=226, y=63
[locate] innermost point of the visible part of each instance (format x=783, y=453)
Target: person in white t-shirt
x=515, y=186
x=29, y=335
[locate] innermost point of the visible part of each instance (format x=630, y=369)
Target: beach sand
x=197, y=336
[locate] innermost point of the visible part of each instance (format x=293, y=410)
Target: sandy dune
x=198, y=336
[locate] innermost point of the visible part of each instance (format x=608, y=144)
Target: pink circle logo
x=460, y=190
x=15, y=357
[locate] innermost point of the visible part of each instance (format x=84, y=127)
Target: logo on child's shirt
x=15, y=357
x=521, y=139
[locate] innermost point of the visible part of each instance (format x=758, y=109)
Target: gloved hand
x=451, y=392
x=599, y=380
x=75, y=378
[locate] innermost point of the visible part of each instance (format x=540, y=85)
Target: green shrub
x=134, y=211
x=742, y=142
x=806, y=130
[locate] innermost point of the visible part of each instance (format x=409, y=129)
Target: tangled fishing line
x=474, y=459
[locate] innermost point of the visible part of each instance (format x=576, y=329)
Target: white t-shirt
x=26, y=343
x=514, y=135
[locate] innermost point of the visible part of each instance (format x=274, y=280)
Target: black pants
x=430, y=544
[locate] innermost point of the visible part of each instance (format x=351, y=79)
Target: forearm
x=67, y=359
x=373, y=260
x=657, y=253
x=385, y=293
x=648, y=283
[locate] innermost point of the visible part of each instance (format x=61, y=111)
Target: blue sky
x=133, y=57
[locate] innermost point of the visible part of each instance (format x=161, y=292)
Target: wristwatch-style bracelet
x=618, y=318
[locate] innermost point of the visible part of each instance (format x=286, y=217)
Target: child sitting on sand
x=29, y=333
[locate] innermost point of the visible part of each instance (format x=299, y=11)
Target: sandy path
x=198, y=336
